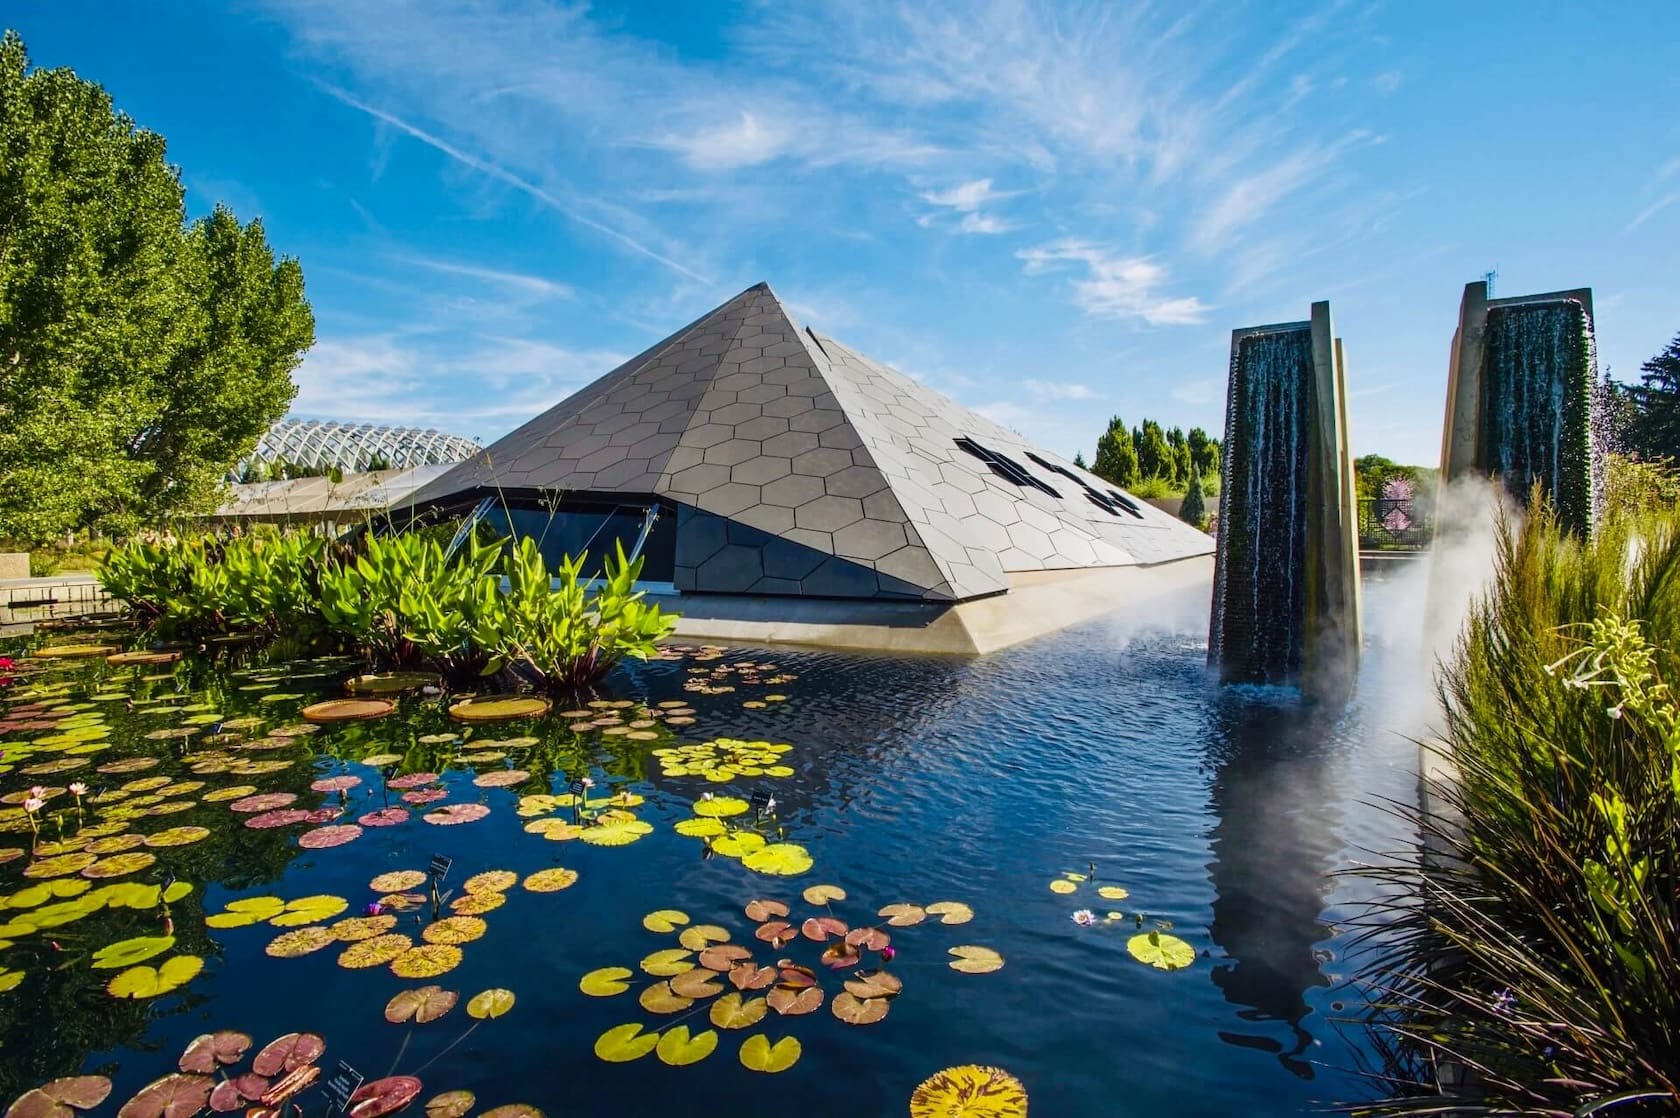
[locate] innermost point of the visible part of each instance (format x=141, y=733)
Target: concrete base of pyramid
x=1038, y=603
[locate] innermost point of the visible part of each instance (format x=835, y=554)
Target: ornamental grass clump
x=1530, y=962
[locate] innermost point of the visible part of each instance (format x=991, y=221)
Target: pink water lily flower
x=34, y=804
x=38, y=792
x=78, y=789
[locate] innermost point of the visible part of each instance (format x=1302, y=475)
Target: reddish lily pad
x=56, y=1099
x=792, y=1003
x=762, y=910
x=820, y=928
x=385, y=817
x=265, y=801
x=425, y=796
x=384, y=1096
x=450, y=1104
x=412, y=780
x=208, y=1051
x=422, y=1005
x=502, y=778
x=270, y=820
x=335, y=783
x=454, y=814
x=288, y=1053
x=321, y=838
x=854, y=1010
x=723, y=956
x=225, y=1097
x=176, y=1095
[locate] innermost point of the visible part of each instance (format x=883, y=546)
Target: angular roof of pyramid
x=747, y=417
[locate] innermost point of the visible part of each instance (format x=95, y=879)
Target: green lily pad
x=783, y=859
x=149, y=982
x=1161, y=950
x=131, y=951
x=624, y=1043
x=678, y=1049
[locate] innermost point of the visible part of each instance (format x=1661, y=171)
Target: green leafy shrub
x=204, y=586
x=564, y=634
x=1194, y=509
x=1152, y=488
x=1531, y=961
x=409, y=604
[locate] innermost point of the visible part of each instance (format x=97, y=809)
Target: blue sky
x=1051, y=212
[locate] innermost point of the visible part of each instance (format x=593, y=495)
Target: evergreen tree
x=1656, y=424
x=1204, y=452
x=1154, y=455
x=1180, y=460
x=1079, y=460
x=1117, y=459
x=1194, y=509
x=140, y=356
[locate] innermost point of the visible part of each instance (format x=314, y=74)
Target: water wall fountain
x=1519, y=392
x=1286, y=576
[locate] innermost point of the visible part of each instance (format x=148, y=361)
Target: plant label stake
x=437, y=871
x=762, y=803
x=342, y=1085
x=577, y=788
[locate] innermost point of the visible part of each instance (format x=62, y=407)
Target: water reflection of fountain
x=1274, y=846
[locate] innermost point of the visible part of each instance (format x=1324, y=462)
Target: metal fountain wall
x=1286, y=582
x=1519, y=398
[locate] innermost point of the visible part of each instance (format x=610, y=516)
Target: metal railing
x=1394, y=524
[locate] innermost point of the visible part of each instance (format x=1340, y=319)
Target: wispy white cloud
x=1652, y=210
x=965, y=197
x=1114, y=285
x=1389, y=81
x=1052, y=390
x=534, y=286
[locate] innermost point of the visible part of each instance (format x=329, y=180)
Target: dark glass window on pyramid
x=1005, y=466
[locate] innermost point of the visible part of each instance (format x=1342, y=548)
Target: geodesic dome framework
x=351, y=447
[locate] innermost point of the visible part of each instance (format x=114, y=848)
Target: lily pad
x=904, y=915
x=551, y=880
x=502, y=778
x=697, y=983
x=177, y=836
x=454, y=930
x=664, y=920
x=270, y=820
x=660, y=998
x=309, y=910
x=605, y=982
x=346, y=710
x=492, y=708
x=784, y=859
x=149, y=982
x=450, y=1104
x=299, y=942
x=793, y=1002
x=265, y=801
x=428, y=960
x=731, y=1012
x=491, y=881
x=720, y=807
x=452, y=814
x=1112, y=892
x=761, y=910
x=969, y=1091
x=1160, y=950
x=722, y=956
x=335, y=783
x=875, y=984
x=487, y=1005
x=58, y=1098
x=823, y=894
x=176, y=1095
x=384, y=817
x=322, y=838
x=700, y=828
x=75, y=651
x=422, y=1005
x=476, y=904
x=624, y=1043
x=397, y=881
x=951, y=912
x=391, y=683
x=758, y=1054
x=668, y=963
x=354, y=929
x=702, y=936
x=131, y=951
x=854, y=1010
x=1063, y=886
x=288, y=1053
x=619, y=831
x=972, y=959
x=212, y=1050
x=384, y=1096
x=678, y=1049
x=374, y=952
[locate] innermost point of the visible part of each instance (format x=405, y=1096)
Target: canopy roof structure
x=351, y=447
x=798, y=466
x=317, y=498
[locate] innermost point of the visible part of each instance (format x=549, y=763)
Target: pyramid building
x=778, y=461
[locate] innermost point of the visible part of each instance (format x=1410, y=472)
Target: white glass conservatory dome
x=320, y=445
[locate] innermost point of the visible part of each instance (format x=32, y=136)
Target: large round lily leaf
x=300, y=941
x=487, y=1005
x=211, y=1050
x=779, y=858
x=679, y=1049
x=758, y=1054
x=176, y=1095
x=1161, y=950
x=972, y=959
x=731, y=1012
x=428, y=960
x=854, y=1010
x=970, y=1091
x=551, y=880
x=149, y=982
x=664, y=920
x=492, y=708
x=288, y=1053
x=128, y=952
x=491, y=881
x=623, y=1043
x=660, y=998
x=347, y=710
x=454, y=929
x=605, y=982
x=374, y=952
x=951, y=912
x=422, y=1005
x=384, y=1096
x=450, y=1104
x=56, y=1099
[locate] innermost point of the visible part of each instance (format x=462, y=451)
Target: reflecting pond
x=1036, y=815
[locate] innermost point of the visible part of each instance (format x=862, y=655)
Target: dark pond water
x=1221, y=812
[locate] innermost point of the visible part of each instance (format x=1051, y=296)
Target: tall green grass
x=1530, y=963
